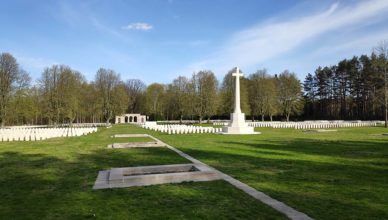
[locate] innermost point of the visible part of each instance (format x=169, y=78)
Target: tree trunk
x=262, y=117
x=270, y=117
x=386, y=115
x=181, y=119
x=386, y=107
x=288, y=117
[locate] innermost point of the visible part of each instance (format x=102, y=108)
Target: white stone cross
x=237, y=74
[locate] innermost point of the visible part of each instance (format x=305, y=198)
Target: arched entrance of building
x=135, y=119
x=126, y=119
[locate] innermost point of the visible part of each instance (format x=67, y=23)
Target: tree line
x=352, y=89
x=355, y=88
x=63, y=95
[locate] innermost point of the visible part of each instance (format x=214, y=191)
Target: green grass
x=53, y=179
x=336, y=175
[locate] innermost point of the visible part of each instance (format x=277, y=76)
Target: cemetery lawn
x=53, y=179
x=333, y=175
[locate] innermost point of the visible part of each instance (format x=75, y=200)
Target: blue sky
x=158, y=40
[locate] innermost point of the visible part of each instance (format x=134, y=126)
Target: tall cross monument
x=237, y=123
x=237, y=74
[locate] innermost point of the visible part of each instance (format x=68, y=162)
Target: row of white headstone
x=252, y=124
x=74, y=125
x=181, y=129
x=221, y=123
x=335, y=125
x=312, y=125
x=36, y=134
x=90, y=125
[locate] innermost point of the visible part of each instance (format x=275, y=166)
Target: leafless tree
x=135, y=88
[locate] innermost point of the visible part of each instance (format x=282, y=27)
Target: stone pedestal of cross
x=237, y=123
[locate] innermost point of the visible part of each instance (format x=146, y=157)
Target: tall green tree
x=106, y=80
x=90, y=108
x=61, y=87
x=155, y=100
x=11, y=79
x=309, y=87
x=120, y=99
x=382, y=70
x=70, y=82
x=180, y=90
x=205, y=86
x=49, y=84
x=290, y=94
x=263, y=94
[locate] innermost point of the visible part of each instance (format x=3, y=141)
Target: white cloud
x=138, y=26
x=271, y=39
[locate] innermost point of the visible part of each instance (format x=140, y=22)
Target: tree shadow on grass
x=355, y=150
x=349, y=179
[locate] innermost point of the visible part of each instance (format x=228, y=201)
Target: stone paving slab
x=120, y=173
x=135, y=145
x=130, y=135
x=153, y=175
x=102, y=180
x=321, y=130
x=155, y=143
